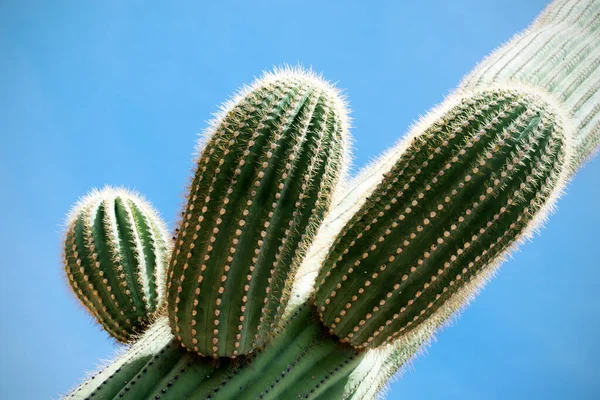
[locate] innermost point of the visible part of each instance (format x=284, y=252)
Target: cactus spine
x=115, y=257
x=262, y=186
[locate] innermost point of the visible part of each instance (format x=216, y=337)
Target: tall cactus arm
x=263, y=184
x=463, y=192
x=302, y=362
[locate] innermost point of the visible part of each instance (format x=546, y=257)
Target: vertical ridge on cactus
x=115, y=256
x=461, y=194
x=263, y=183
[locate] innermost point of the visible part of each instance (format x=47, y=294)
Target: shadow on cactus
x=286, y=280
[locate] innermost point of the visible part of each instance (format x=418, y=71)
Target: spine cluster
x=262, y=186
x=455, y=200
x=115, y=258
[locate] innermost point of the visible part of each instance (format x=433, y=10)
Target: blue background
x=115, y=92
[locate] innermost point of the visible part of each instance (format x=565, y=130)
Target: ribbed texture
x=559, y=53
x=454, y=201
x=262, y=186
x=115, y=258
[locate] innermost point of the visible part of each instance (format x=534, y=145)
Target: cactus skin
x=461, y=194
x=263, y=184
x=115, y=257
x=302, y=362
x=560, y=54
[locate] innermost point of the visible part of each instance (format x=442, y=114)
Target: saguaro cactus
x=115, y=256
x=269, y=296
x=509, y=141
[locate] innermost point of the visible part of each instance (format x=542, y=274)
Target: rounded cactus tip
x=465, y=189
x=263, y=183
x=285, y=72
x=115, y=258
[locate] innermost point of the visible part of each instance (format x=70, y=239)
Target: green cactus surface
x=263, y=184
x=115, y=257
x=462, y=193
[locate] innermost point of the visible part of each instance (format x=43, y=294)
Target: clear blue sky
x=114, y=92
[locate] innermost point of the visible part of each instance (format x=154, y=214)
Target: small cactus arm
x=263, y=184
x=115, y=256
x=560, y=54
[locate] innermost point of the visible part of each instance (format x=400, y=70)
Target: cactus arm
x=114, y=256
x=451, y=203
x=263, y=183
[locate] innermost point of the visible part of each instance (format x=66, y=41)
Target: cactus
x=520, y=156
x=115, y=256
x=262, y=186
x=271, y=296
